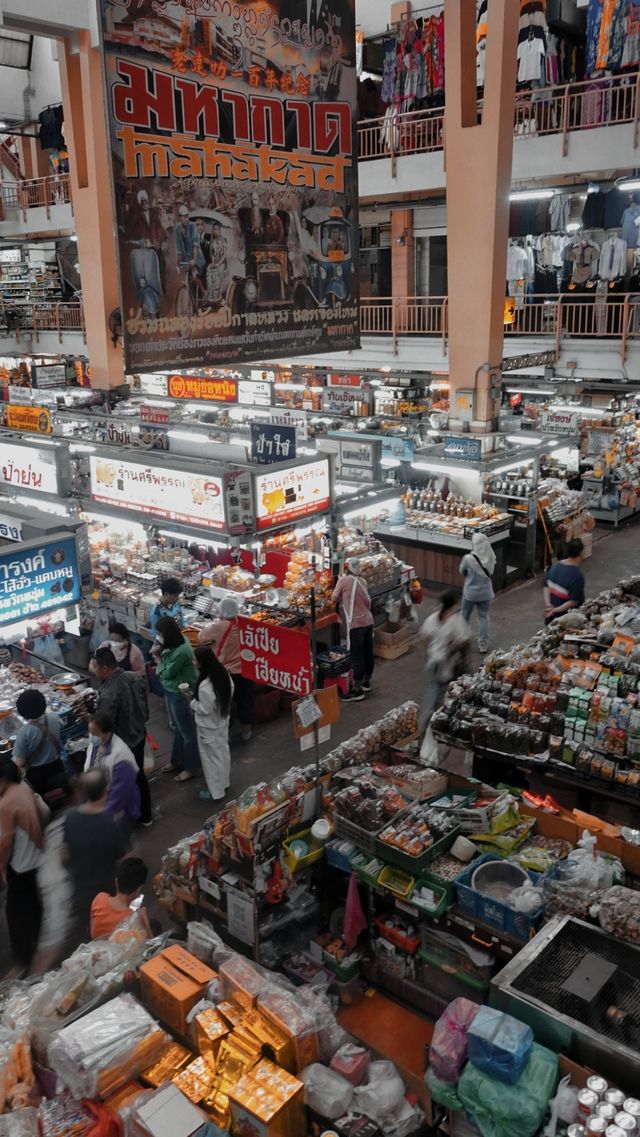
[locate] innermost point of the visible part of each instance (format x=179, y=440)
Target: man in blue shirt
x=37, y=747
x=168, y=604
x=187, y=240
x=564, y=583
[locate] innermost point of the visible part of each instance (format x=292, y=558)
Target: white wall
x=44, y=77
x=373, y=16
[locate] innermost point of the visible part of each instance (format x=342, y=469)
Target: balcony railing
x=554, y=317
x=27, y=321
x=34, y=193
x=549, y=110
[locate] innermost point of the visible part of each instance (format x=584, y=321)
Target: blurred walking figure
x=447, y=637
x=477, y=568
x=123, y=696
x=211, y=706
x=93, y=842
x=23, y=816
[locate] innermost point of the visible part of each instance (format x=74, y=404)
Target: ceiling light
x=573, y=226
x=531, y=195
x=629, y=184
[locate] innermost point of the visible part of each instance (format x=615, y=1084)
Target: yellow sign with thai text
x=33, y=420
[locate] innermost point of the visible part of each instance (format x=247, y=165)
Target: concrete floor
x=516, y=615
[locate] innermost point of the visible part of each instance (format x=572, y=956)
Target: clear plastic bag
x=24, y=1123
x=448, y=1050
x=620, y=913
x=444, y=1093
x=383, y=1091
x=326, y=1092
x=518, y=1110
x=203, y=941
x=499, y=1045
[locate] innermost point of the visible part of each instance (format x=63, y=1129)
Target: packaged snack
x=448, y=1050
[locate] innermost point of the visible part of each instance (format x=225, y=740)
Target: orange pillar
x=478, y=164
x=402, y=253
x=87, y=142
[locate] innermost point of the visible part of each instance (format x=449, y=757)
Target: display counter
x=436, y=556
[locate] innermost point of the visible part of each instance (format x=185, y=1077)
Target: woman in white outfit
x=211, y=706
x=477, y=568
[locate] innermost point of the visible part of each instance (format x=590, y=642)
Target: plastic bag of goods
x=383, y=1091
x=518, y=1110
x=351, y=1062
x=24, y=1123
x=448, y=1050
x=499, y=1045
x=620, y=913
x=326, y=1092
x=444, y=1093
x=98, y=1053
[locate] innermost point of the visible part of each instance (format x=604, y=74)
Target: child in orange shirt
x=107, y=912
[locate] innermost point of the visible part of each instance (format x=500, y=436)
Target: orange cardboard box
x=211, y=1028
x=268, y=1103
x=172, y=983
x=272, y=1039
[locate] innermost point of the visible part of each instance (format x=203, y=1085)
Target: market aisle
x=516, y=615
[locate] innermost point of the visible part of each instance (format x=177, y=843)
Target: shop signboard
x=558, y=422
x=10, y=529
x=159, y=491
x=255, y=392
x=29, y=420
x=400, y=449
x=116, y=433
x=274, y=656
x=235, y=178
x=29, y=468
x=463, y=446
x=360, y=460
x=157, y=415
x=38, y=577
x=152, y=437
x=153, y=386
x=285, y=496
x=209, y=390
x=532, y=359
x=338, y=380
x=21, y=396
x=270, y=443
x=343, y=400
x=287, y=416
x=239, y=501
x=49, y=375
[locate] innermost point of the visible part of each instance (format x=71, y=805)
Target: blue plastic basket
x=493, y=912
x=335, y=858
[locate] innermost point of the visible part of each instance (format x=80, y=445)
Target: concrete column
x=87, y=141
x=478, y=159
x=403, y=261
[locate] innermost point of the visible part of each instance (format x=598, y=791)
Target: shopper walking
x=447, y=638
x=168, y=604
x=23, y=816
x=564, y=583
x=93, y=842
x=211, y=706
x=175, y=669
x=37, y=747
x=123, y=696
x=352, y=595
x=108, y=752
x=477, y=568
x=224, y=637
x=128, y=656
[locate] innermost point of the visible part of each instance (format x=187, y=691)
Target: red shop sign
x=216, y=390
x=276, y=657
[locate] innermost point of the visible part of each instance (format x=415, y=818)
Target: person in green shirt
x=177, y=672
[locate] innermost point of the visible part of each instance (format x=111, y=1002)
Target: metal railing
x=551, y=317
x=29, y=320
x=34, y=193
x=549, y=110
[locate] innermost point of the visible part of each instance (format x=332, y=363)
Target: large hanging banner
x=233, y=132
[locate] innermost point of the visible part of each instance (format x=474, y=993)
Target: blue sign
x=462, y=446
x=38, y=577
x=402, y=449
x=272, y=443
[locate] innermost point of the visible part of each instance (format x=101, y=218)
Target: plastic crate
x=441, y=906
x=336, y=859
x=350, y=831
x=296, y=863
x=399, y=939
x=452, y=800
x=493, y=912
x=329, y=666
x=357, y=865
x=432, y=877
x=414, y=865
x=343, y=972
x=396, y=882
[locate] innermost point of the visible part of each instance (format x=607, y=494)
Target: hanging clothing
x=631, y=49
x=213, y=739
x=50, y=129
x=584, y=256
x=593, y=212
x=560, y=211
x=516, y=263
x=606, y=31
x=531, y=53
x=613, y=259
x=630, y=226
x=481, y=42
x=614, y=206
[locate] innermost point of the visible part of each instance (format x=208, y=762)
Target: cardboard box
x=168, y=1113
x=241, y=983
x=272, y=1039
x=392, y=634
x=172, y=983
x=267, y=1102
x=211, y=1028
x=173, y=1059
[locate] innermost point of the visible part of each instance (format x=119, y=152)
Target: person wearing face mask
x=123, y=696
x=177, y=672
x=128, y=656
x=109, y=753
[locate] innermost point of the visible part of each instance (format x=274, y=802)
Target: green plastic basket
x=442, y=905
x=415, y=865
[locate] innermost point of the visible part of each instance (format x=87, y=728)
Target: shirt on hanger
x=516, y=263
x=530, y=56
x=613, y=259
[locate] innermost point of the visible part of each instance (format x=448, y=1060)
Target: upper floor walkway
x=36, y=207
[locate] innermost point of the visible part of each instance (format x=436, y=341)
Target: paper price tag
x=308, y=712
